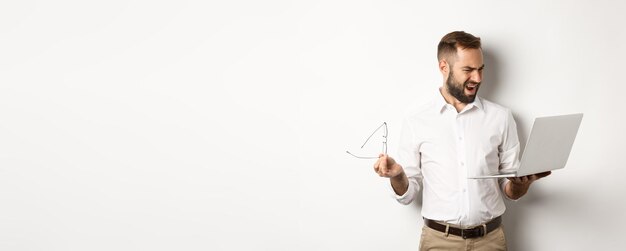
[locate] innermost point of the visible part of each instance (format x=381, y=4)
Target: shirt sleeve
x=509, y=150
x=502, y=182
x=409, y=158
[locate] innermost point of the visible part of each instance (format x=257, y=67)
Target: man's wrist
x=401, y=177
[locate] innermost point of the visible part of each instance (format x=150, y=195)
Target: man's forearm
x=400, y=184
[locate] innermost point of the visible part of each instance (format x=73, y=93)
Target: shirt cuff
x=503, y=182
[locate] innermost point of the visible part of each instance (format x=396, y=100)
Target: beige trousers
x=433, y=240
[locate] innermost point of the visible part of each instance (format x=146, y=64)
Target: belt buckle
x=473, y=232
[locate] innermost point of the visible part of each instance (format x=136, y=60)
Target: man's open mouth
x=471, y=87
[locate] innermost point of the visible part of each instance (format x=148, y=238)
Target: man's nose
x=477, y=76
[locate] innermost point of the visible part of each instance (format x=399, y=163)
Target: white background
x=223, y=125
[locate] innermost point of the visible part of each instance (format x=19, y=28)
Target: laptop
x=548, y=146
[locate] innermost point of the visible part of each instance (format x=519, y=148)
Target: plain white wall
x=223, y=125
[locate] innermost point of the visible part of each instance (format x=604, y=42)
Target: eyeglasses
x=384, y=127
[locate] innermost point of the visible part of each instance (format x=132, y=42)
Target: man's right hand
x=386, y=166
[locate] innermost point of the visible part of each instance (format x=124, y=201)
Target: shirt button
x=460, y=138
x=464, y=190
x=462, y=164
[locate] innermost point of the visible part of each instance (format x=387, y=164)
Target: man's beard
x=458, y=91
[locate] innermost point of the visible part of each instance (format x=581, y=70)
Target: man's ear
x=444, y=67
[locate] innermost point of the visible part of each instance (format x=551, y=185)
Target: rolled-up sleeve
x=409, y=159
x=509, y=150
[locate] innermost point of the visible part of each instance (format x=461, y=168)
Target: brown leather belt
x=474, y=232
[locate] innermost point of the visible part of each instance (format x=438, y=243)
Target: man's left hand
x=520, y=185
x=526, y=180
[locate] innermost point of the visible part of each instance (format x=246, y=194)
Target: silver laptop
x=548, y=146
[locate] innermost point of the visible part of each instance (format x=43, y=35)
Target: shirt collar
x=440, y=103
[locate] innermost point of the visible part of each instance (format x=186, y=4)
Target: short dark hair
x=450, y=43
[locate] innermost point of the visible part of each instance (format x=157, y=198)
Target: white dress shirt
x=440, y=147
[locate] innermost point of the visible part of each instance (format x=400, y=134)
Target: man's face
x=465, y=75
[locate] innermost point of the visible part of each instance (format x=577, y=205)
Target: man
x=455, y=136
